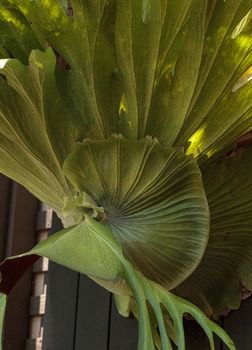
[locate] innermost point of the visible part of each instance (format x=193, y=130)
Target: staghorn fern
x=121, y=115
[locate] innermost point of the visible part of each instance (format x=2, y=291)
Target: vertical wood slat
x=5, y=191
x=238, y=324
x=20, y=238
x=61, y=299
x=196, y=339
x=123, y=331
x=92, y=316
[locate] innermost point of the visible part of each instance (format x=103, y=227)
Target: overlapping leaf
x=177, y=70
x=226, y=268
x=71, y=247
x=152, y=67
x=177, y=64
x=122, y=56
x=31, y=128
x=85, y=43
x=153, y=202
x=17, y=39
x=220, y=109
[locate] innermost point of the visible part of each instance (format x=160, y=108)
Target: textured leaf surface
x=153, y=67
x=159, y=68
x=149, y=52
x=177, y=63
x=77, y=249
x=153, y=202
x=226, y=268
x=176, y=70
x=220, y=110
x=31, y=128
x=124, y=54
x=107, y=261
x=17, y=39
x=85, y=43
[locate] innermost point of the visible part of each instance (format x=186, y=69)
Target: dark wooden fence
x=18, y=210
x=80, y=315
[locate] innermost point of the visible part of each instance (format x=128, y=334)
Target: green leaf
x=226, y=269
x=71, y=247
x=153, y=202
x=220, y=111
x=180, y=52
x=31, y=128
x=2, y=311
x=168, y=69
x=79, y=242
x=157, y=57
x=85, y=42
x=16, y=35
x=179, y=71
x=146, y=10
x=123, y=304
x=122, y=55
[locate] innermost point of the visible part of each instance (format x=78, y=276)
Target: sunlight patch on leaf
x=6, y=15
x=195, y=141
x=243, y=80
x=240, y=27
x=3, y=62
x=122, y=107
x=214, y=106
